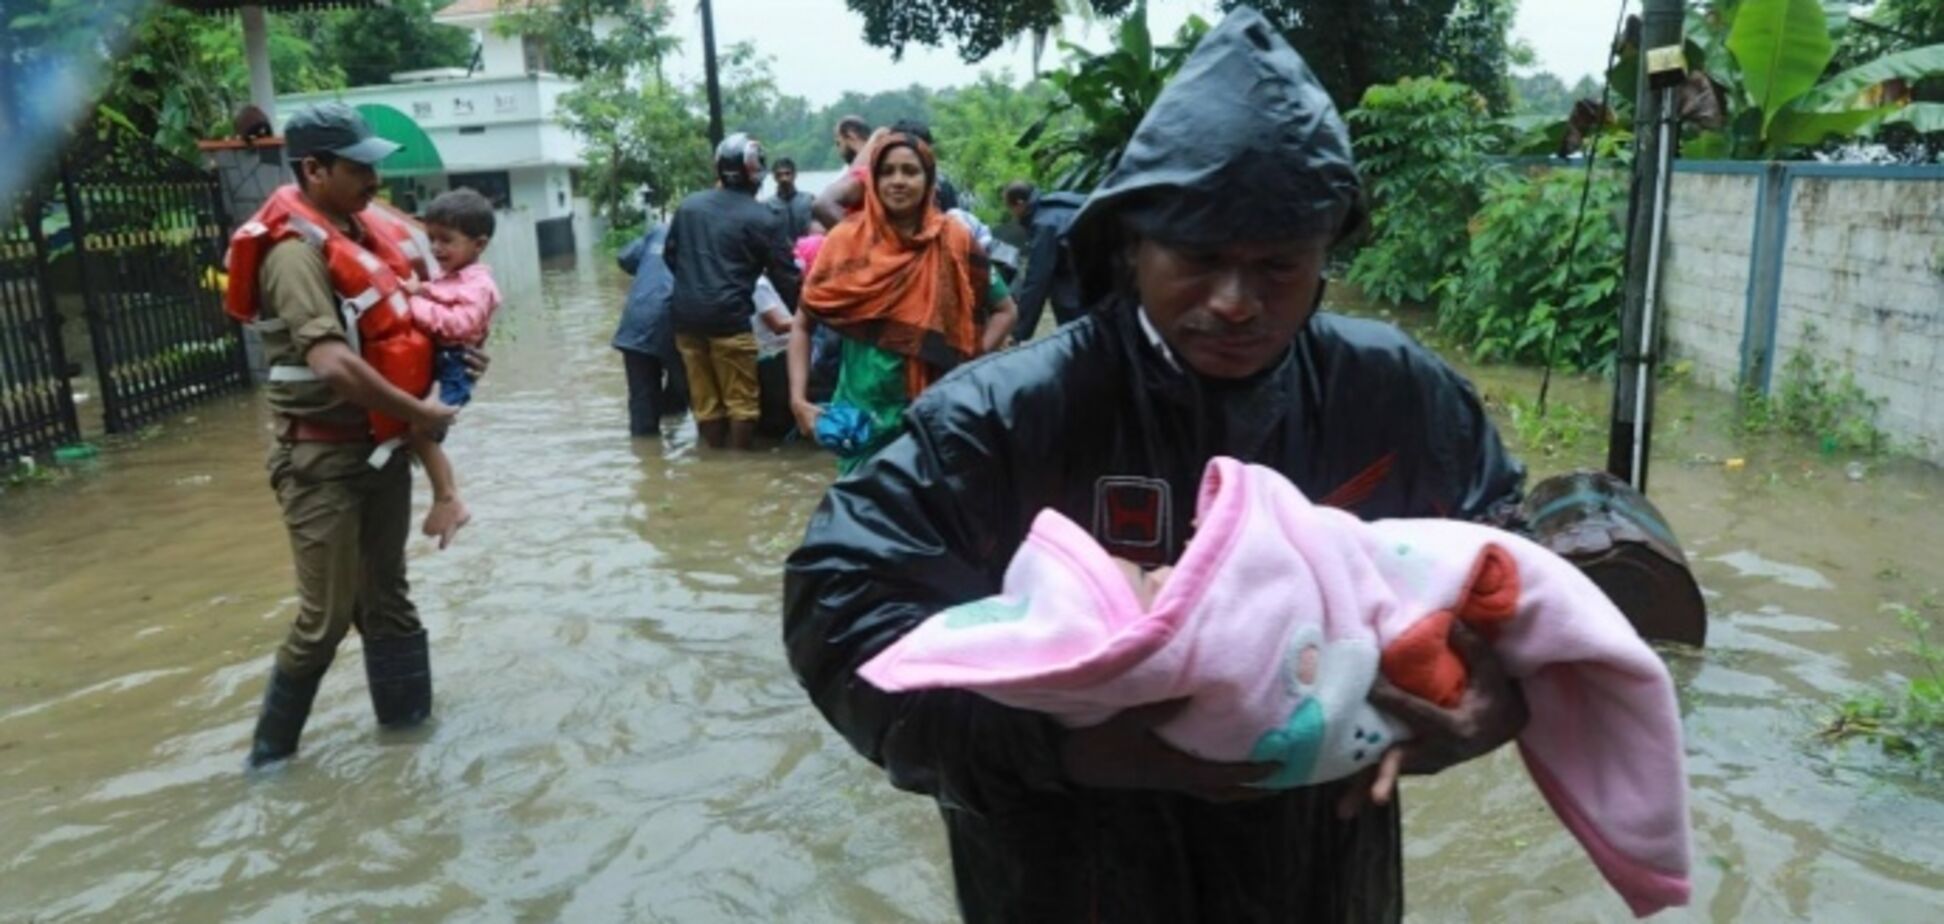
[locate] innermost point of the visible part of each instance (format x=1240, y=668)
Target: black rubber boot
x=400, y=671
x=286, y=707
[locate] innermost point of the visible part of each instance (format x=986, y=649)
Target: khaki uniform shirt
x=295, y=286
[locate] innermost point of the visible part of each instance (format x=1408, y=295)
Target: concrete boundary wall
x=1762, y=255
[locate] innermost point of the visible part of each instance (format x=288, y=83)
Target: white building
x=494, y=127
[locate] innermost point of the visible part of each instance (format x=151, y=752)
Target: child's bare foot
x=445, y=518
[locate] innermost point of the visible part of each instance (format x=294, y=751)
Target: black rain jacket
x=719, y=242
x=1357, y=413
x=1097, y=422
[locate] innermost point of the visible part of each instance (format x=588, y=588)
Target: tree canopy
x=1353, y=45
x=373, y=44
x=977, y=27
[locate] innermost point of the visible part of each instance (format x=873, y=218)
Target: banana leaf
x=1782, y=46
x=1912, y=65
x=1924, y=117
x=1795, y=127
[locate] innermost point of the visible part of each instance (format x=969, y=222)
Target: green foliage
x=1771, y=58
x=373, y=44
x=1906, y=722
x=977, y=128
x=641, y=132
x=183, y=76
x=1819, y=400
x=1420, y=145
x=653, y=137
x=620, y=236
x=978, y=27
x=1562, y=431
x=1544, y=94
x=1782, y=47
x=174, y=77
x=1513, y=294
x=1353, y=45
x=1102, y=99
x=638, y=39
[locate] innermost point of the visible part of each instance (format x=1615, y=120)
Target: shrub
x=1817, y=399
x=1513, y=292
x=1420, y=144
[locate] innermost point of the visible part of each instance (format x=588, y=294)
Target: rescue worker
x=309, y=251
x=1049, y=268
x=657, y=383
x=719, y=243
x=1202, y=258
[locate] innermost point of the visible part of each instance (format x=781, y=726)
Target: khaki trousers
x=348, y=523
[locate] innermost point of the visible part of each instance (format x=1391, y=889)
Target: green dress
x=872, y=379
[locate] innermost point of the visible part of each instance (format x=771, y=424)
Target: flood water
x=617, y=736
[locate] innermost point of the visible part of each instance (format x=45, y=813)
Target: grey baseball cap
x=334, y=128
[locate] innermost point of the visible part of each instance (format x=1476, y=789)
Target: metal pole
x=256, y=48
x=709, y=69
x=1662, y=67
x=1644, y=386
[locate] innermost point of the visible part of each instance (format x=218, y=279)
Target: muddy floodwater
x=618, y=738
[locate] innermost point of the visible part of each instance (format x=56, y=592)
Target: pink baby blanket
x=1278, y=618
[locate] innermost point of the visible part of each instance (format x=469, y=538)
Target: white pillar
x=256, y=48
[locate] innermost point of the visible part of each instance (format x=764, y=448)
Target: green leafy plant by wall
x=1420, y=145
x=1516, y=291
x=1817, y=399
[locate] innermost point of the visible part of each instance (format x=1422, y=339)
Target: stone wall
x=1705, y=283
x=1853, y=270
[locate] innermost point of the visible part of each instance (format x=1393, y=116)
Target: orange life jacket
x=366, y=276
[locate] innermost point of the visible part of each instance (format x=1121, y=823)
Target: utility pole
x=1656, y=133
x=256, y=49
x=709, y=69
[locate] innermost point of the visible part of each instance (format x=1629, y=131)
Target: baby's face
x=1146, y=584
x=454, y=249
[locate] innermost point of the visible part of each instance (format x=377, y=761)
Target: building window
x=505, y=102
x=534, y=50
x=495, y=185
x=421, y=110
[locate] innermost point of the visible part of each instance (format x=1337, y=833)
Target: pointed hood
x=1244, y=144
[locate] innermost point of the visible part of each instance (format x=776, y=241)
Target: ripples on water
x=618, y=737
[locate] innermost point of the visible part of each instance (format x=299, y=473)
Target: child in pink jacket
x=1277, y=620
x=455, y=310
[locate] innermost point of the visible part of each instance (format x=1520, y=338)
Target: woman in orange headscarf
x=907, y=287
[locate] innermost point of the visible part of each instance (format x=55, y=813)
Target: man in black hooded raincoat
x=1203, y=255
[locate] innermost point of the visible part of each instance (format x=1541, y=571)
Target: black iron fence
x=138, y=236
x=150, y=232
x=36, y=403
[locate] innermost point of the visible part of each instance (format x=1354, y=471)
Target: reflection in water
x=618, y=738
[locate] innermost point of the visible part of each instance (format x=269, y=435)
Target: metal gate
x=36, y=405
x=150, y=234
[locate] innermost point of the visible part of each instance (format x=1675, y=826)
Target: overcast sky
x=819, y=49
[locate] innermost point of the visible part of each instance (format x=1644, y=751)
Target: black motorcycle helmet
x=740, y=163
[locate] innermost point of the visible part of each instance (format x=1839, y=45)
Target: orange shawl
x=917, y=297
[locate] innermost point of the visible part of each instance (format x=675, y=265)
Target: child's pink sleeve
x=456, y=309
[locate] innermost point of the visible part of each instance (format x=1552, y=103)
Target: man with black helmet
x=1201, y=258
x=719, y=243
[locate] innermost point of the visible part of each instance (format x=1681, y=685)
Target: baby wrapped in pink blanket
x=1277, y=620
